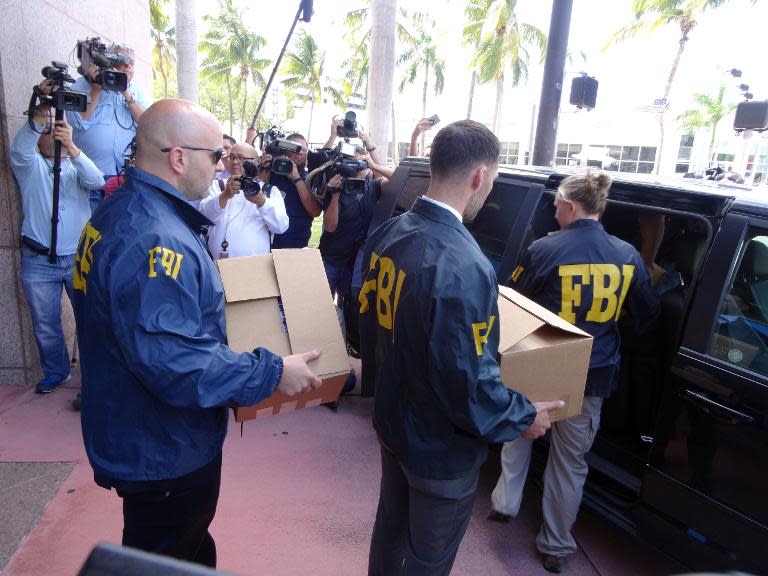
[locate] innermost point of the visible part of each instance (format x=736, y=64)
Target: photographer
x=42, y=280
x=301, y=205
x=347, y=215
x=244, y=219
x=108, y=125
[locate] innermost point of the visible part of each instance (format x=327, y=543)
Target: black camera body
x=326, y=163
x=93, y=51
x=249, y=184
x=63, y=98
x=349, y=128
x=275, y=144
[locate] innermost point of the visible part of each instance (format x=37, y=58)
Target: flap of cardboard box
x=536, y=310
x=249, y=277
x=309, y=309
x=515, y=323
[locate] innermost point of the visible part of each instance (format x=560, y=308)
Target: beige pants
x=564, y=477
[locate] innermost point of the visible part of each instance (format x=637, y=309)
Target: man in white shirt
x=244, y=221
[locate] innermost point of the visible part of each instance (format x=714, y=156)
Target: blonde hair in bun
x=589, y=190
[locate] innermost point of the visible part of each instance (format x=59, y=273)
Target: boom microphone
x=101, y=61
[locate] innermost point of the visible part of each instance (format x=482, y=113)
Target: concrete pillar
x=32, y=34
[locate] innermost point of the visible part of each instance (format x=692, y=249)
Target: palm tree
x=359, y=25
x=423, y=54
x=649, y=15
x=186, y=50
x=707, y=114
x=163, y=56
x=503, y=44
x=230, y=47
x=303, y=71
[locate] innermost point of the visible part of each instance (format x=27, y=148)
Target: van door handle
x=740, y=416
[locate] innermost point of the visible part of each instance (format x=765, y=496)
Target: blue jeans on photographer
x=42, y=282
x=339, y=278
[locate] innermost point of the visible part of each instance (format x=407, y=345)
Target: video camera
x=93, y=51
x=349, y=128
x=62, y=98
x=326, y=163
x=273, y=142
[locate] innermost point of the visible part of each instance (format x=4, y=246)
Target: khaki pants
x=564, y=477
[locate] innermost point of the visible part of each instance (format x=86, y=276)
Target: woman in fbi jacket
x=584, y=275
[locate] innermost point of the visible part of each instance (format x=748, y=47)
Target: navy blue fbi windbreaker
x=429, y=331
x=156, y=372
x=585, y=276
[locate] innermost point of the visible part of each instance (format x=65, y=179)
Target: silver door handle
x=745, y=418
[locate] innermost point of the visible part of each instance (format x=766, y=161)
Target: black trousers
x=171, y=517
x=420, y=522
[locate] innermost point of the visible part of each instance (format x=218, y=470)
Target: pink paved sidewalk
x=298, y=496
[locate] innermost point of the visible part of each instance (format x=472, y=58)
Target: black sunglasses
x=216, y=156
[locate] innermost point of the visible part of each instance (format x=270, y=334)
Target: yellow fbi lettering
x=168, y=260
x=387, y=285
x=609, y=288
x=84, y=257
x=481, y=331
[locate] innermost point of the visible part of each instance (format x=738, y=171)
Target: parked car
x=682, y=456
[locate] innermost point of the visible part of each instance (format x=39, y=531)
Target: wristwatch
x=297, y=179
x=370, y=148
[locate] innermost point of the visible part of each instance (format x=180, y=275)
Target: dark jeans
x=420, y=522
x=171, y=517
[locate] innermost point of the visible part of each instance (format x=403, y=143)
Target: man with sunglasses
x=157, y=374
x=302, y=206
x=244, y=220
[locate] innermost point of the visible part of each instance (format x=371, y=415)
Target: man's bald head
x=178, y=125
x=241, y=153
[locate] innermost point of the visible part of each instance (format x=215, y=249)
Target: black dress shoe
x=496, y=516
x=553, y=563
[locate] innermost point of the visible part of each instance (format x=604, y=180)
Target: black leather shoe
x=496, y=516
x=553, y=563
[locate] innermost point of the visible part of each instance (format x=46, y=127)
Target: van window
x=740, y=335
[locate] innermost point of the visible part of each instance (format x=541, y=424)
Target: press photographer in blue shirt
x=42, y=280
x=108, y=125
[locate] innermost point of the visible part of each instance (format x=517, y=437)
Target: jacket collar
x=437, y=213
x=585, y=223
x=189, y=213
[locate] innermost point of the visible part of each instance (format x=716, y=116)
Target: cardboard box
x=541, y=355
x=282, y=301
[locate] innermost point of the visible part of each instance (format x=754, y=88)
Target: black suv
x=682, y=455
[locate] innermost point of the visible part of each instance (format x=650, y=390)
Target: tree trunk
x=244, y=80
x=231, y=107
x=381, y=70
x=163, y=74
x=424, y=102
x=497, y=107
x=667, y=90
x=712, y=144
x=186, y=50
x=395, y=151
x=311, y=112
x=471, y=93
